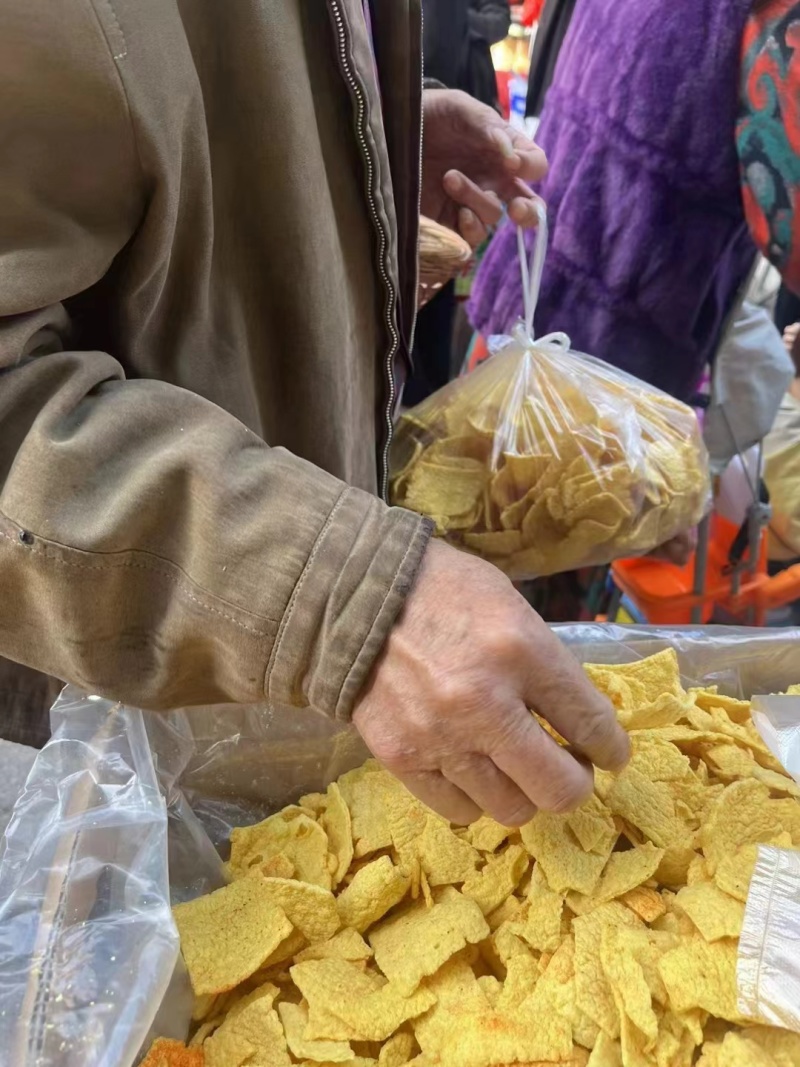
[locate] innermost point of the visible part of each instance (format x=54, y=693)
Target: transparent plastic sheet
x=86, y=876
x=545, y=460
x=87, y=943
x=769, y=946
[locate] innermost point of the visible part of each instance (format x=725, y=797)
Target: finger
x=560, y=691
x=524, y=211
x=492, y=791
x=463, y=191
x=501, y=137
x=471, y=228
x=548, y=774
x=532, y=161
x=433, y=789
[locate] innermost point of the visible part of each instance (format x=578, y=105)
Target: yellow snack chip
x=542, y=925
x=337, y=824
x=227, y=935
x=279, y=866
x=419, y=834
x=593, y=994
x=550, y=841
x=674, y=867
x=639, y=970
x=625, y=693
x=376, y=888
x=629, y=988
x=735, y=871
x=489, y=1037
x=782, y=1045
x=487, y=835
x=522, y=975
x=414, y=944
x=447, y=492
x=397, y=1051
x=369, y=792
x=593, y=826
x=167, y=1053
x=347, y=1004
x=511, y=909
x=295, y=1021
x=645, y=902
x=309, y=908
x=498, y=879
x=226, y=1048
x=736, y=710
x=714, y=913
x=627, y=870
x=745, y=814
x=738, y=1050
x=286, y=950
x=653, y=676
x=254, y=1022
x=648, y=805
x=505, y=943
x=702, y=974
x=348, y=944
x=292, y=833
x=606, y=1053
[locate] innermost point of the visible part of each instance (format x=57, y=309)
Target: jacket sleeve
x=152, y=549
x=489, y=19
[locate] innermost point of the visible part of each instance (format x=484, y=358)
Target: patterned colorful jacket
x=649, y=245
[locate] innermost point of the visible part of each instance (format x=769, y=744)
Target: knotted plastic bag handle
x=531, y=273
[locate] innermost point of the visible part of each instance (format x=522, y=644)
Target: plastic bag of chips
x=122, y=809
x=545, y=460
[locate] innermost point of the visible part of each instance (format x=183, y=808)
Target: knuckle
x=567, y=795
x=514, y=814
x=595, y=726
x=452, y=692
x=395, y=757
x=502, y=642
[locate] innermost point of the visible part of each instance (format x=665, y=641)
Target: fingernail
x=506, y=146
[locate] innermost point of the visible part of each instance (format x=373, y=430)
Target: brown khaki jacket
x=208, y=224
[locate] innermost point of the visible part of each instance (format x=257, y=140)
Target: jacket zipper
x=391, y=293
x=419, y=167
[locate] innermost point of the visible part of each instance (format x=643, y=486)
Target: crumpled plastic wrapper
x=769, y=945
x=122, y=811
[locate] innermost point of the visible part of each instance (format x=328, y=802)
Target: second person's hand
x=447, y=706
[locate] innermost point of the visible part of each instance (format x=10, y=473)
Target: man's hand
x=446, y=707
x=474, y=164
x=678, y=549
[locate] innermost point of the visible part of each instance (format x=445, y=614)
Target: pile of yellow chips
x=360, y=928
x=544, y=461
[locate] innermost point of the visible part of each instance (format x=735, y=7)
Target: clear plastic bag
x=112, y=829
x=545, y=460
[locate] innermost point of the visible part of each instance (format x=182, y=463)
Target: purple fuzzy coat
x=648, y=244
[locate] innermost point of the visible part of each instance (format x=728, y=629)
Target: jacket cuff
x=432, y=83
x=345, y=602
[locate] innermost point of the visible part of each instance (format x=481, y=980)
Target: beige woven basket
x=442, y=255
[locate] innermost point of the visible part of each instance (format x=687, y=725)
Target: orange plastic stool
x=665, y=595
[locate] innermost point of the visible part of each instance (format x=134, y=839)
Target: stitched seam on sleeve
x=297, y=589
x=35, y=550
x=122, y=53
x=379, y=612
x=116, y=56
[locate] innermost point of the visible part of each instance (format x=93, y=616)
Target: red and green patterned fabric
x=768, y=132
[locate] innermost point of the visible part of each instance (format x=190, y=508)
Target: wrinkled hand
x=474, y=164
x=790, y=335
x=446, y=707
x=678, y=549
